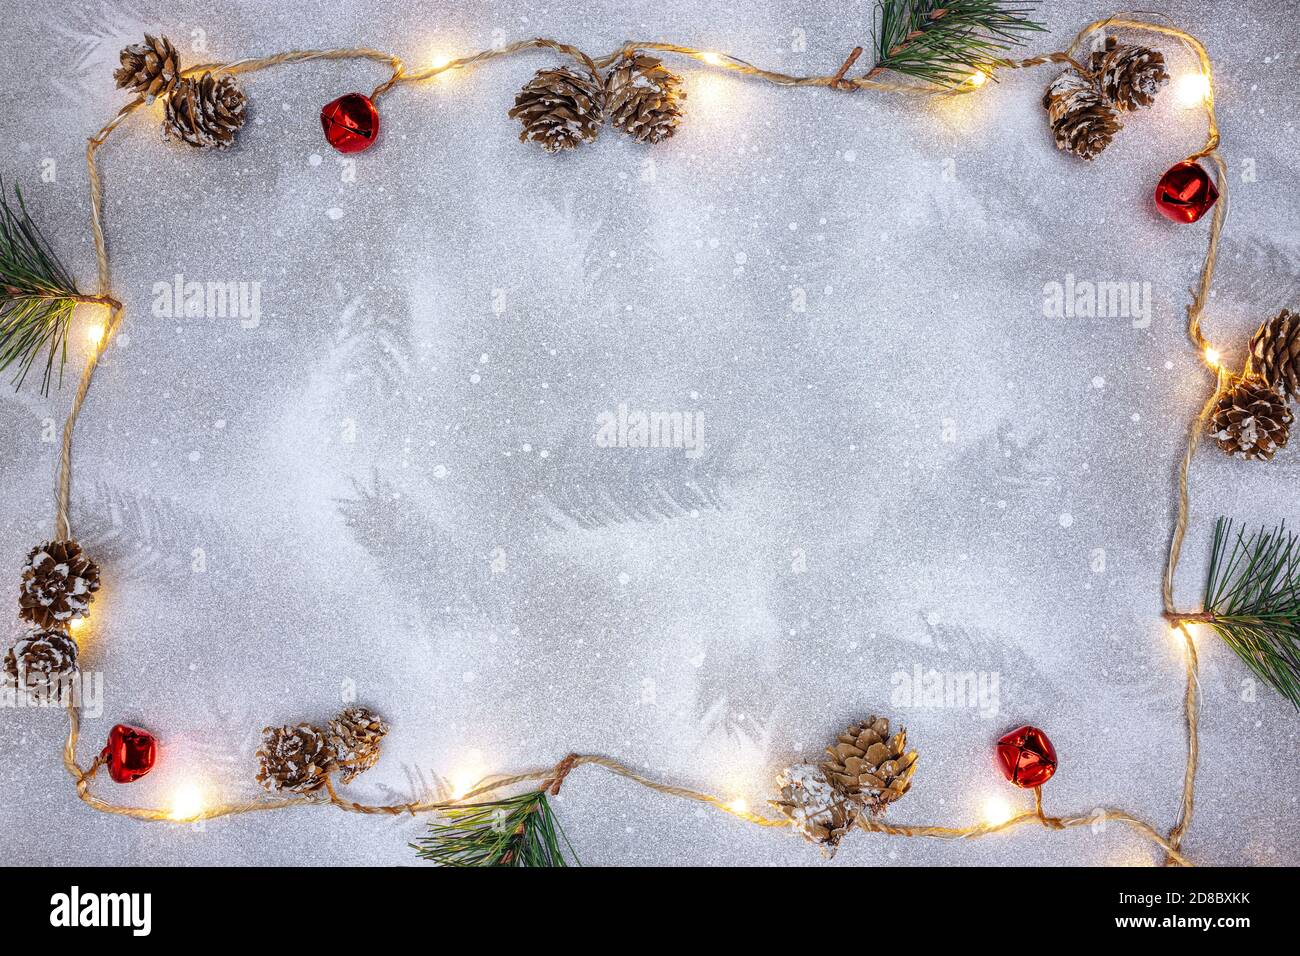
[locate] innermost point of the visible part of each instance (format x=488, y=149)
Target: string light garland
x=1252, y=598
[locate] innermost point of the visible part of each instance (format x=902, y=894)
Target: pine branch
x=946, y=43
x=37, y=296
x=515, y=831
x=1252, y=601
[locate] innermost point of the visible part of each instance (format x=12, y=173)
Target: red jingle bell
x=1027, y=757
x=351, y=122
x=1186, y=192
x=130, y=753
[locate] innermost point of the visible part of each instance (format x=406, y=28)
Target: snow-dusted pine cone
x=868, y=765
x=356, y=735
x=643, y=98
x=1082, y=121
x=1252, y=420
x=151, y=68
x=294, y=758
x=817, y=811
x=205, y=111
x=1129, y=76
x=1275, y=353
x=560, y=108
x=59, y=582
x=40, y=662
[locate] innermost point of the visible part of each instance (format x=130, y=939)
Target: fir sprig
x=1252, y=601
x=37, y=296
x=946, y=42
x=515, y=831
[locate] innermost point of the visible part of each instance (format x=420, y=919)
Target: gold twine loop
x=562, y=770
x=554, y=777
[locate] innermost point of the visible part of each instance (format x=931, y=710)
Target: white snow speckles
x=325, y=415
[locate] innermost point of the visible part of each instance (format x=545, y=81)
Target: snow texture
x=380, y=479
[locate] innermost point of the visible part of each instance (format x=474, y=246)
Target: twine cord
x=551, y=778
x=1195, y=311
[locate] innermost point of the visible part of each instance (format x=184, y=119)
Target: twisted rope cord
x=1192, y=710
x=1195, y=310
x=554, y=776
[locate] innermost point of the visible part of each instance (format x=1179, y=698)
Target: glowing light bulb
x=739, y=805
x=1213, y=356
x=996, y=811
x=711, y=58
x=76, y=624
x=977, y=79
x=187, y=803
x=1192, y=90
x=437, y=61
x=466, y=775
x=95, y=332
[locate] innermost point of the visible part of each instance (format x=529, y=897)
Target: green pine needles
x=516, y=831
x=947, y=43
x=37, y=296
x=1252, y=601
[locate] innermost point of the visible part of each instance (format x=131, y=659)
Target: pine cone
x=355, y=735
x=817, y=811
x=151, y=68
x=869, y=766
x=40, y=662
x=1129, y=76
x=1082, y=121
x=560, y=108
x=644, y=99
x=1251, y=420
x=294, y=758
x=1275, y=353
x=59, y=582
x=205, y=111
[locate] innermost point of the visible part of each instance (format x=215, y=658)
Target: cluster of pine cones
x=866, y=770
x=301, y=758
x=205, y=110
x=1084, y=108
x=1253, y=418
x=58, y=583
x=564, y=107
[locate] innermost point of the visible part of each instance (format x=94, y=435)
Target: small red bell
x=1027, y=757
x=130, y=753
x=351, y=122
x=1186, y=192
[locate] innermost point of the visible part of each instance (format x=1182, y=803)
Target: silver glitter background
x=396, y=491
